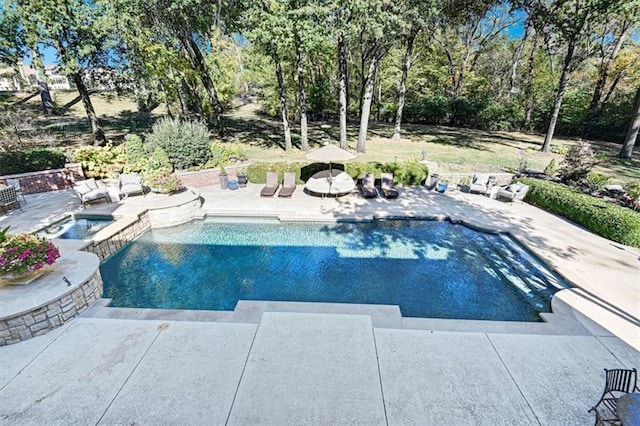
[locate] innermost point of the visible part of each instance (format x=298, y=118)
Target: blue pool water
x=76, y=227
x=428, y=268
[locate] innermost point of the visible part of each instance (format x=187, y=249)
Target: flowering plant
x=22, y=253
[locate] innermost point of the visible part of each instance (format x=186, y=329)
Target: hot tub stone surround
x=120, y=233
x=45, y=318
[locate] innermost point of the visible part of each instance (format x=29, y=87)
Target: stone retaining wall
x=175, y=215
x=52, y=315
x=109, y=246
x=47, y=180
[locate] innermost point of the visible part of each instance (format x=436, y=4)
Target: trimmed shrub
x=408, y=173
x=33, y=160
x=185, y=142
x=608, y=220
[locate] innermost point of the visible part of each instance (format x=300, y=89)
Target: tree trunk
x=203, y=71
x=402, y=90
x=557, y=102
x=632, y=131
x=366, y=102
x=343, y=98
x=304, y=139
x=98, y=133
x=43, y=87
x=283, y=101
x=528, y=87
x=516, y=59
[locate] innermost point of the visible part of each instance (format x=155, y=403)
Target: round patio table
x=628, y=409
x=337, y=183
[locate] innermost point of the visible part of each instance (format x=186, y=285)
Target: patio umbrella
x=330, y=153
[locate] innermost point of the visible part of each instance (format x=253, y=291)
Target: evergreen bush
x=577, y=164
x=185, y=142
x=135, y=153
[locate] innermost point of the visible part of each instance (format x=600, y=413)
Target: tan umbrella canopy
x=330, y=153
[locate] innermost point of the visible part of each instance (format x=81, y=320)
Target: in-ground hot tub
x=76, y=227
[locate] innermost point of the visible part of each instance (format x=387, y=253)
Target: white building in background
x=22, y=78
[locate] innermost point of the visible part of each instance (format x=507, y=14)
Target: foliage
x=159, y=174
x=159, y=160
x=597, y=181
x=23, y=252
x=185, y=142
x=552, y=168
x=223, y=153
x=606, y=219
x=135, y=153
x=33, y=160
x=577, y=164
x=102, y=161
x=633, y=191
x=162, y=180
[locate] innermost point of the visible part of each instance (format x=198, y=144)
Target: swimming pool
x=428, y=268
x=76, y=227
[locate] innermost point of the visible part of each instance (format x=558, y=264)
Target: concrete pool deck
x=331, y=368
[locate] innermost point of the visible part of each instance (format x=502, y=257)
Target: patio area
x=313, y=364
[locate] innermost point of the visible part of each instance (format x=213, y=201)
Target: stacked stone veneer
x=115, y=242
x=48, y=180
x=175, y=215
x=52, y=315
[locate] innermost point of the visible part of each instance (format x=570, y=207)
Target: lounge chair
x=271, y=187
x=479, y=183
x=368, y=188
x=16, y=184
x=8, y=198
x=288, y=185
x=515, y=191
x=88, y=190
x=618, y=382
x=387, y=186
x=131, y=184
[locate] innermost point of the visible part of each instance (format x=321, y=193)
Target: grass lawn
x=455, y=150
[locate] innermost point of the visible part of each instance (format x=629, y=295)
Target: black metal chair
x=617, y=383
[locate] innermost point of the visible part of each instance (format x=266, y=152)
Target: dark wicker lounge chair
x=288, y=185
x=617, y=383
x=271, y=187
x=8, y=198
x=387, y=186
x=368, y=188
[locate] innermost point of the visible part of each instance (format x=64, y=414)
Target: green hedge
x=34, y=160
x=606, y=219
x=407, y=173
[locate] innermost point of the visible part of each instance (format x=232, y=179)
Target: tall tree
x=632, y=130
x=76, y=29
x=269, y=28
x=192, y=23
x=416, y=15
x=465, y=30
x=377, y=34
x=610, y=42
x=568, y=23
